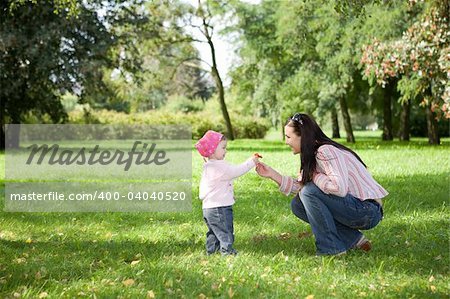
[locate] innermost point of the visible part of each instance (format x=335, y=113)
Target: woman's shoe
x=364, y=244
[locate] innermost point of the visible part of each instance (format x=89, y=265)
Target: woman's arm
x=266, y=171
x=286, y=184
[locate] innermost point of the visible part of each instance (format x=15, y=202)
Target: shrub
x=249, y=127
x=179, y=103
x=244, y=127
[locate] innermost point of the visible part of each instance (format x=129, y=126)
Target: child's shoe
x=230, y=252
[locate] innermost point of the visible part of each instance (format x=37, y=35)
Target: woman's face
x=292, y=139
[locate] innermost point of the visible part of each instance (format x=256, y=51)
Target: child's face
x=220, y=152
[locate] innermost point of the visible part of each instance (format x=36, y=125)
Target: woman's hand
x=264, y=170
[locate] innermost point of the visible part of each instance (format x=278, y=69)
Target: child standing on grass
x=216, y=191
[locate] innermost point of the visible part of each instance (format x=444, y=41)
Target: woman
x=335, y=193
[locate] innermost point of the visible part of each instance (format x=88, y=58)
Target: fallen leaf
x=29, y=241
x=201, y=296
x=128, y=282
x=20, y=260
x=150, y=294
x=204, y=262
x=302, y=235
x=43, y=295
x=16, y=295
x=309, y=297
x=284, y=236
x=433, y=289
x=135, y=262
x=230, y=292
x=431, y=279
x=259, y=238
x=168, y=283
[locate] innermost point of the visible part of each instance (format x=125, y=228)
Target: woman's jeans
x=220, y=235
x=335, y=221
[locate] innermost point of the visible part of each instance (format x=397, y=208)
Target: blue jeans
x=220, y=235
x=335, y=221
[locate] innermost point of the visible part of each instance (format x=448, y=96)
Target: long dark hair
x=312, y=137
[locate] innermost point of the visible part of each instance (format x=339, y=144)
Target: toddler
x=216, y=191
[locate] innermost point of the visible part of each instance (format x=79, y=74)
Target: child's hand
x=256, y=158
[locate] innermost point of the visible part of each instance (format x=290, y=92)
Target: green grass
x=93, y=254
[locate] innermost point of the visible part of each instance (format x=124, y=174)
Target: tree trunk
x=387, y=112
x=346, y=118
x=2, y=126
x=335, y=124
x=12, y=136
x=223, y=105
x=2, y=137
x=404, y=121
x=216, y=75
x=432, y=128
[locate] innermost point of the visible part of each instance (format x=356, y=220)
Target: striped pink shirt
x=338, y=172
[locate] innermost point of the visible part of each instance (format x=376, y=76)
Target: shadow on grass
x=411, y=249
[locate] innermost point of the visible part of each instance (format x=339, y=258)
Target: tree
x=265, y=66
x=207, y=29
x=301, y=49
x=170, y=62
x=420, y=61
x=46, y=50
x=175, y=32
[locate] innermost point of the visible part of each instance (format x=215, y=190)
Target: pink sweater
x=338, y=172
x=216, y=184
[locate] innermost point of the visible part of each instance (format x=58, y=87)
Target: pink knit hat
x=207, y=145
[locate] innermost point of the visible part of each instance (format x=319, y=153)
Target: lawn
x=157, y=255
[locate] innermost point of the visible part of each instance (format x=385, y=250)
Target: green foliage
x=252, y=128
x=179, y=103
x=69, y=102
x=306, y=55
x=419, y=59
x=170, y=64
x=47, y=51
x=246, y=127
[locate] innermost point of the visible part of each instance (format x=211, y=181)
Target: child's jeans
x=220, y=235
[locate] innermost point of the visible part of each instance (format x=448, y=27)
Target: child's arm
x=233, y=171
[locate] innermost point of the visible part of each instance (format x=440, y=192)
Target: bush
x=244, y=127
x=178, y=103
x=249, y=127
